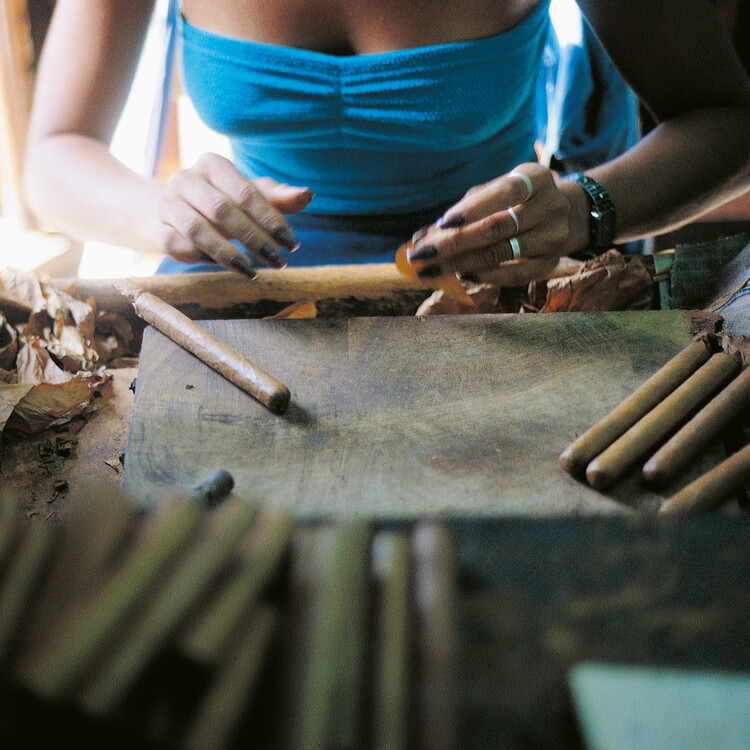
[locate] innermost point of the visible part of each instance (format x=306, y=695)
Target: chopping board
x=403, y=417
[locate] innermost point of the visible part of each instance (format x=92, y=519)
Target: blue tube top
x=384, y=133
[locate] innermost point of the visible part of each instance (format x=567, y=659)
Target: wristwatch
x=601, y=214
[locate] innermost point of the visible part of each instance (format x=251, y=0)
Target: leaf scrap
x=449, y=284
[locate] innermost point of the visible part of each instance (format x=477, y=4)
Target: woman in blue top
x=354, y=123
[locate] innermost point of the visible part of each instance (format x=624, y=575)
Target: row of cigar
x=690, y=401
x=210, y=622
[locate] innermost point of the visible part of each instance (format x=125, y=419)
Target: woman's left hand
x=509, y=231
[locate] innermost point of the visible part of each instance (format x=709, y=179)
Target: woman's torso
x=355, y=27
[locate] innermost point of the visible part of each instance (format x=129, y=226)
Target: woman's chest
x=348, y=27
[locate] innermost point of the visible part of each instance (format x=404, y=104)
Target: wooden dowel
x=22, y=580
x=391, y=573
x=206, y=347
x=576, y=457
x=166, y=608
x=435, y=601
x=699, y=432
x=222, y=709
x=713, y=488
x=659, y=422
x=53, y=670
x=207, y=635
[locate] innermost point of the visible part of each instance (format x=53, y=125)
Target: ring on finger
x=515, y=247
x=526, y=181
x=515, y=220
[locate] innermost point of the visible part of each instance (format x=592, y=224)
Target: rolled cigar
x=576, y=457
x=323, y=674
x=222, y=710
x=713, y=488
x=206, y=637
x=698, y=433
x=85, y=631
x=437, y=637
x=391, y=573
x=22, y=580
x=166, y=608
x=645, y=434
x=210, y=350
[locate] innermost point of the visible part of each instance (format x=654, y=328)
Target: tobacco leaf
x=449, y=284
x=35, y=365
x=607, y=282
x=48, y=405
x=8, y=344
x=296, y=310
x=10, y=397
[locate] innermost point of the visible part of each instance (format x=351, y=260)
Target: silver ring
x=526, y=181
x=515, y=220
x=515, y=248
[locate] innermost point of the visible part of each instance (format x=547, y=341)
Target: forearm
x=74, y=185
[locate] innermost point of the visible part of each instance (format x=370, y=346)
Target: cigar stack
x=692, y=398
x=209, y=622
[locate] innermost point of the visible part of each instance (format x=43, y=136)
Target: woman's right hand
x=205, y=207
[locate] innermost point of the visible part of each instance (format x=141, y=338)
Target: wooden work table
x=537, y=595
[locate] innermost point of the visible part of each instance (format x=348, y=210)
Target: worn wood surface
x=403, y=417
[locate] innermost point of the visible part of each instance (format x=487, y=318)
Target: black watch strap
x=601, y=214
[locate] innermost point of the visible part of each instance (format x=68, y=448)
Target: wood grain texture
x=402, y=417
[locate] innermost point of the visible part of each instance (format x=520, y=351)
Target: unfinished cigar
x=21, y=580
x=645, y=434
x=213, y=489
x=391, y=572
x=347, y=726
x=713, y=488
x=206, y=637
x=215, y=353
x=699, y=432
x=92, y=625
x=435, y=603
x=166, y=608
x=576, y=457
x=222, y=709
x=322, y=675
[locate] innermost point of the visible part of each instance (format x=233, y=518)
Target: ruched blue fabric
x=376, y=134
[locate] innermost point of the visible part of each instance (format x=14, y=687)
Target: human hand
x=509, y=231
x=206, y=206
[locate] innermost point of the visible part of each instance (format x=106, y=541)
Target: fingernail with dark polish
x=271, y=254
x=419, y=234
x=423, y=253
x=285, y=237
x=241, y=263
x=430, y=272
x=457, y=221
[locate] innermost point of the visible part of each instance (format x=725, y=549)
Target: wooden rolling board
x=396, y=417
